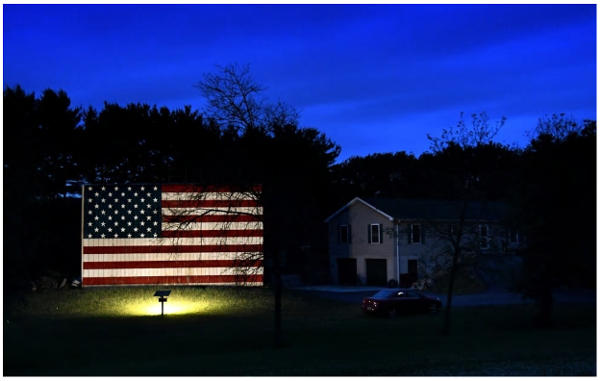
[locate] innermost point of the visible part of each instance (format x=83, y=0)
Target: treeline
x=51, y=148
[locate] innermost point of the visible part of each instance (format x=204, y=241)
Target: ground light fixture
x=162, y=298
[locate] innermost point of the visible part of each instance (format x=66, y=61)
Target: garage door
x=347, y=271
x=376, y=272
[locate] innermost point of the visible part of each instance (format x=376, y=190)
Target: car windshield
x=383, y=294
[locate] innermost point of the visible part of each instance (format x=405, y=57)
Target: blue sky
x=373, y=78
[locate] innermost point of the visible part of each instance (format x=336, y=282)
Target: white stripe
x=170, y=257
x=251, y=210
x=171, y=271
x=172, y=241
x=178, y=196
x=252, y=225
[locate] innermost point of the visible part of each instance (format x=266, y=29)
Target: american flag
x=171, y=235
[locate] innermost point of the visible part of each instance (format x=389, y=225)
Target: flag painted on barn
x=171, y=235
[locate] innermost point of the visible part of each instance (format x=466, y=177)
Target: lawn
x=228, y=332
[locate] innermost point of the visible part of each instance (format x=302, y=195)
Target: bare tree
x=235, y=99
x=456, y=237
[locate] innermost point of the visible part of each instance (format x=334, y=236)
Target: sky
x=373, y=78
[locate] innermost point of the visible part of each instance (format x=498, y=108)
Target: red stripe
x=210, y=233
x=171, y=249
x=208, y=203
x=206, y=188
x=170, y=264
x=213, y=218
x=166, y=280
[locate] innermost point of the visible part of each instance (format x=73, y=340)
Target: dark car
x=393, y=301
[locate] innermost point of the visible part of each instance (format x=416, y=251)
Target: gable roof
x=354, y=201
x=425, y=209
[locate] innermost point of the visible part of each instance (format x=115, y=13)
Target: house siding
x=396, y=246
x=359, y=217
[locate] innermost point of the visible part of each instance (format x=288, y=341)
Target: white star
x=135, y=229
x=96, y=206
x=103, y=212
x=96, y=194
x=122, y=194
x=142, y=188
x=116, y=223
x=129, y=235
x=103, y=223
x=142, y=235
x=148, y=206
x=90, y=224
x=155, y=199
x=116, y=188
x=155, y=188
x=103, y=188
x=135, y=205
x=116, y=200
x=142, y=223
x=123, y=206
x=149, y=229
x=135, y=194
x=128, y=223
x=96, y=218
x=128, y=188
x=89, y=236
x=128, y=200
x=142, y=200
x=90, y=189
x=148, y=218
x=155, y=223
x=109, y=218
x=129, y=212
x=142, y=211
x=109, y=194
x=135, y=217
x=155, y=235
x=123, y=230
x=110, y=230
x=89, y=200
x=149, y=194
x=96, y=230
x=89, y=212
x=122, y=217
x=116, y=235
x=103, y=200
x=116, y=211
x=155, y=211
x=102, y=235
x=109, y=206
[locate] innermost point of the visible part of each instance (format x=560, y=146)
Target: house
x=379, y=241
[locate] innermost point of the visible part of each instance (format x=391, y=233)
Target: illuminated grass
x=229, y=332
x=139, y=301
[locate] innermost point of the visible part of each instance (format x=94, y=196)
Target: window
x=344, y=235
x=415, y=233
x=375, y=233
x=484, y=236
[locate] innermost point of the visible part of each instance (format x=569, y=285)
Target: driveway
x=491, y=297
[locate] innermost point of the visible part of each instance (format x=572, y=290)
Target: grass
x=228, y=332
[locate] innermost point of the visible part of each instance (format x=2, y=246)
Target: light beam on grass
x=175, y=306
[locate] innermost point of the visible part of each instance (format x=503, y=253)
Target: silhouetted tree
x=556, y=205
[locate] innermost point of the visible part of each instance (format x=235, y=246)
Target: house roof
x=424, y=209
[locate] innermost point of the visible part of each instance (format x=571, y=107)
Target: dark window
x=416, y=233
x=375, y=233
x=344, y=234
